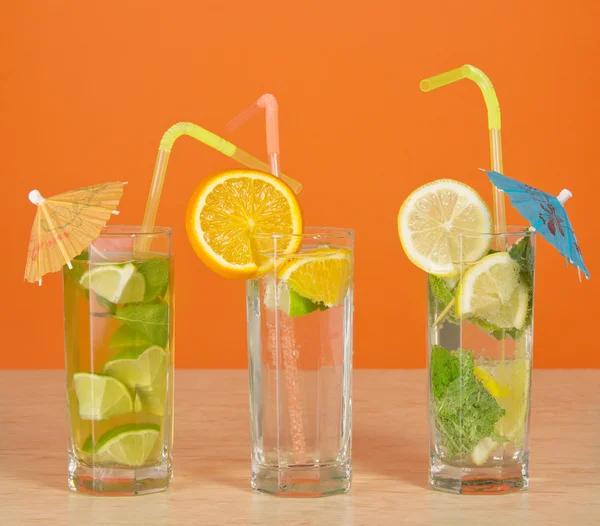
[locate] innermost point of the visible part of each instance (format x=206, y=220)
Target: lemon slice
x=101, y=397
x=490, y=383
x=226, y=212
x=482, y=451
x=431, y=219
x=321, y=275
x=117, y=284
x=491, y=290
x=515, y=375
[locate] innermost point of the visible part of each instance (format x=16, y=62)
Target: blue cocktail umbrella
x=546, y=214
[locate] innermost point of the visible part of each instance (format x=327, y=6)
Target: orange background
x=88, y=88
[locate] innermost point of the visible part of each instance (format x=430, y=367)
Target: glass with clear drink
x=480, y=358
x=300, y=320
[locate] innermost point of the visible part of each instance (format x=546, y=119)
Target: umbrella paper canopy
x=546, y=214
x=66, y=224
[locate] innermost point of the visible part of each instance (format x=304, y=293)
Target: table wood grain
x=212, y=464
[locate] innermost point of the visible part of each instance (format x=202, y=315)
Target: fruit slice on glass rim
x=321, y=275
x=227, y=211
x=431, y=219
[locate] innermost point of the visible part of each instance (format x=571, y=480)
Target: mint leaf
x=105, y=304
x=125, y=337
x=156, y=274
x=444, y=369
x=522, y=253
x=466, y=412
x=75, y=273
x=151, y=321
x=441, y=288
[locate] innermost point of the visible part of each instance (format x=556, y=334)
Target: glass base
x=482, y=480
x=303, y=481
x=118, y=481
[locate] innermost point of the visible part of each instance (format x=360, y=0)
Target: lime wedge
x=492, y=291
x=290, y=302
x=128, y=445
x=144, y=371
x=295, y=305
x=138, y=368
x=152, y=401
x=117, y=284
x=101, y=397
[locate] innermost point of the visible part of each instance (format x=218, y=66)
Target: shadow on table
x=392, y=456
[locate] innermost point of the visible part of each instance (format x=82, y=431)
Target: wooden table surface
x=212, y=464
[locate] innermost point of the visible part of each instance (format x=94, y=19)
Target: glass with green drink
x=118, y=303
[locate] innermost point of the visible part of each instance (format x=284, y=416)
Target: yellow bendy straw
x=208, y=138
x=493, y=108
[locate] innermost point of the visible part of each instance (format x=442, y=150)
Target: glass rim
x=314, y=232
x=512, y=231
x=134, y=231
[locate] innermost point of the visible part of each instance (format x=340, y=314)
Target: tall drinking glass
x=300, y=319
x=118, y=308
x=480, y=354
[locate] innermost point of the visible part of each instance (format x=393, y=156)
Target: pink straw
x=267, y=102
x=288, y=349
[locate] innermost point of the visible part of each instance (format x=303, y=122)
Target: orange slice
x=227, y=211
x=321, y=275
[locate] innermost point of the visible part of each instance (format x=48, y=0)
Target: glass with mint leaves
x=118, y=308
x=480, y=338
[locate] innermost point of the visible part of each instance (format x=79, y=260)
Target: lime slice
x=145, y=372
x=290, y=302
x=295, y=305
x=128, y=445
x=491, y=290
x=138, y=368
x=117, y=284
x=431, y=219
x=101, y=397
x=152, y=401
x=321, y=275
